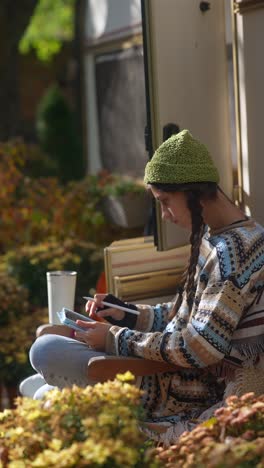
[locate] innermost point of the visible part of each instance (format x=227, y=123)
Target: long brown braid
x=198, y=225
x=194, y=194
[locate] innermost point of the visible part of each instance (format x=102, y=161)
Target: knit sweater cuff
x=111, y=346
x=145, y=318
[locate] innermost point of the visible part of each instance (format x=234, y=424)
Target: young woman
x=194, y=332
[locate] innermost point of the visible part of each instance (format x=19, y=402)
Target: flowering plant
x=234, y=437
x=95, y=426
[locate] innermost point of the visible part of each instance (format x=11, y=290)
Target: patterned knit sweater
x=229, y=275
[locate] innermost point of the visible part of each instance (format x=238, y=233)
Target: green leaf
x=51, y=25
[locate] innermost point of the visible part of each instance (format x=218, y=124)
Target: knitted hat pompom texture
x=181, y=159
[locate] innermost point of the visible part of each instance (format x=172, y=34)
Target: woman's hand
x=91, y=308
x=94, y=335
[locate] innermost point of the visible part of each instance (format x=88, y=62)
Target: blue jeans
x=62, y=361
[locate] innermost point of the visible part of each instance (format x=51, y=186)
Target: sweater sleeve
x=153, y=318
x=204, y=341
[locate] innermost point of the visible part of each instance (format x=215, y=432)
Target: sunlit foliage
x=232, y=438
x=91, y=427
x=51, y=25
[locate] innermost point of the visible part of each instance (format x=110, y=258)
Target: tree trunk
x=14, y=18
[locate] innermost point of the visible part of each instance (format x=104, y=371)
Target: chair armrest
x=49, y=328
x=102, y=368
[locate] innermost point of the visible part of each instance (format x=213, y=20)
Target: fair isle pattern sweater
x=229, y=275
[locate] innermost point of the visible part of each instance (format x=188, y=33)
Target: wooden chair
x=104, y=368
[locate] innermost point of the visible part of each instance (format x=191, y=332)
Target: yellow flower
x=17, y=431
x=17, y=464
x=34, y=415
x=55, y=444
x=5, y=414
x=126, y=377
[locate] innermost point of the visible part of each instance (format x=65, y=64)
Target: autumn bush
x=234, y=437
x=13, y=299
x=29, y=264
x=99, y=426
x=35, y=208
x=42, y=223
x=45, y=225
x=91, y=427
x=18, y=322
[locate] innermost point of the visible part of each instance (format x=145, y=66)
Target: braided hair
x=195, y=192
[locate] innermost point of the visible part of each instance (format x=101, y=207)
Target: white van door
x=186, y=66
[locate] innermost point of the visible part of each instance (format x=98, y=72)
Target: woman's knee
x=44, y=350
x=61, y=361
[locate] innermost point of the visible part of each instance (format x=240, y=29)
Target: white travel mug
x=61, y=287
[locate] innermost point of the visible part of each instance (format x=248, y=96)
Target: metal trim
x=237, y=190
x=113, y=44
x=245, y=6
x=152, y=105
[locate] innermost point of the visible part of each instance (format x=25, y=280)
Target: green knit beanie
x=181, y=159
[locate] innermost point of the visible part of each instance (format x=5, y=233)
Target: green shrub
x=29, y=265
x=58, y=135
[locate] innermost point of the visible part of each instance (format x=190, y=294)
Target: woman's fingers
x=97, y=304
x=105, y=312
x=87, y=325
x=92, y=306
x=99, y=298
x=94, y=334
x=93, y=309
x=82, y=335
x=112, y=312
